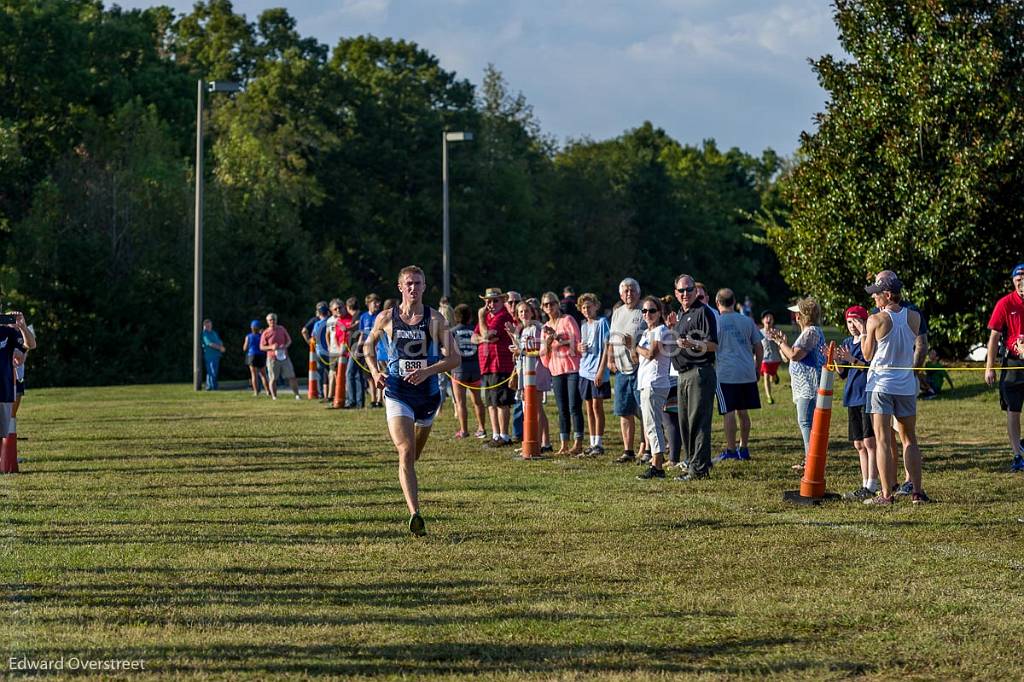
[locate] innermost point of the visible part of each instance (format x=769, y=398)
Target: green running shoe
x=417, y=526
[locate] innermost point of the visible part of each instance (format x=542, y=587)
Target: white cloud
x=365, y=9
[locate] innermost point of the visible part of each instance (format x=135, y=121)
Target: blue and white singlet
x=411, y=347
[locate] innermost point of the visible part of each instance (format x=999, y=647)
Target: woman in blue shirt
x=255, y=359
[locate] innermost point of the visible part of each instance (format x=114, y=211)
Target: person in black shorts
x=861, y=432
x=255, y=359
x=496, y=364
x=466, y=377
x=419, y=348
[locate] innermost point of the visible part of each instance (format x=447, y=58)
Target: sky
x=732, y=70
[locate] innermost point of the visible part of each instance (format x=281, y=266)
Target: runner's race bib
x=407, y=367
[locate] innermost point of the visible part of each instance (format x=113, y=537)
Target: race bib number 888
x=407, y=367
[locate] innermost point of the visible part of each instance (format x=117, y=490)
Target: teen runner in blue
x=414, y=334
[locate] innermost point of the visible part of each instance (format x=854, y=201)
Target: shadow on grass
x=192, y=465
x=964, y=391
x=220, y=593
x=137, y=534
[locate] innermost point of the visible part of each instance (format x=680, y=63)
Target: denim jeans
x=517, y=420
x=212, y=367
x=321, y=375
x=570, y=408
x=804, y=418
x=675, y=441
x=355, y=386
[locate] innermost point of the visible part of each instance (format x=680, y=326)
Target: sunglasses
x=649, y=311
x=686, y=290
x=547, y=303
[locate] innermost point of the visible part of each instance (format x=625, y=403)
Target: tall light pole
x=197, y=283
x=446, y=255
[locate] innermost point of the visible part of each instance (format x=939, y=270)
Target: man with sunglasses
x=697, y=340
x=496, y=364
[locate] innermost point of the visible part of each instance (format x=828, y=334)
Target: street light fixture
x=197, y=288
x=447, y=137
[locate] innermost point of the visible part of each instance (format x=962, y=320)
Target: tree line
x=323, y=178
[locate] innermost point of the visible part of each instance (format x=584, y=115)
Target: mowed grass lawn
x=223, y=536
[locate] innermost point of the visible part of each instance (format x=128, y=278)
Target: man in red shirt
x=1007, y=323
x=274, y=342
x=343, y=321
x=496, y=364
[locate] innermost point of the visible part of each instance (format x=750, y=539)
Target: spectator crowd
x=667, y=364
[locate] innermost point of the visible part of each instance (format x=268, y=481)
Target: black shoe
x=546, y=448
x=691, y=477
x=651, y=473
x=596, y=451
x=904, y=490
x=860, y=494
x=417, y=526
x=626, y=457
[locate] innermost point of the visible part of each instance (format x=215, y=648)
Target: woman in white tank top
x=895, y=349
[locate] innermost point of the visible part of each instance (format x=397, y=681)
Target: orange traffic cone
x=531, y=406
x=313, y=383
x=9, y=452
x=812, y=484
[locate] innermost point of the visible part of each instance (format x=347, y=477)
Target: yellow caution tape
x=920, y=369
x=366, y=369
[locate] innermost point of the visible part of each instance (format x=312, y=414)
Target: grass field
x=217, y=536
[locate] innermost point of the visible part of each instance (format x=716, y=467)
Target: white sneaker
x=298, y=397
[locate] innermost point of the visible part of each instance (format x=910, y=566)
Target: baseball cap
x=1017, y=270
x=254, y=324
x=793, y=308
x=322, y=309
x=885, y=281
x=856, y=311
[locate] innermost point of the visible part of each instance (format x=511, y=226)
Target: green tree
x=384, y=179
x=104, y=257
x=915, y=165
x=501, y=203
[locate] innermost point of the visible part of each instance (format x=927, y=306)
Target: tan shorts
x=279, y=369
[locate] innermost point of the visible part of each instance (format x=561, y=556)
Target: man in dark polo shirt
x=697, y=342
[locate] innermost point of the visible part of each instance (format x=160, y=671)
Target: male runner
x=413, y=333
